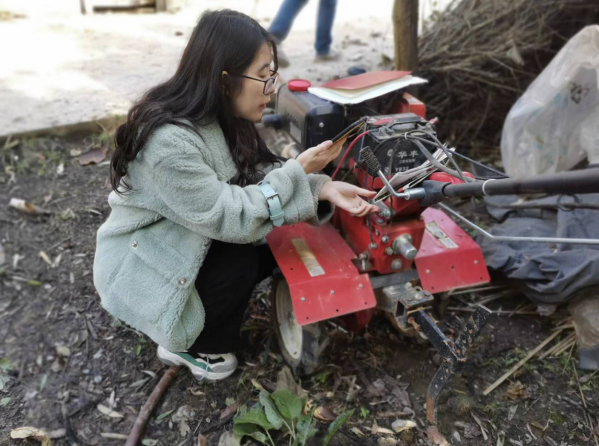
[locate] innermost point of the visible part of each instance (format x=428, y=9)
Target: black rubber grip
x=368, y=156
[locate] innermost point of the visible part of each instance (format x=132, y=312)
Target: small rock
x=98, y=379
x=386, y=441
x=457, y=437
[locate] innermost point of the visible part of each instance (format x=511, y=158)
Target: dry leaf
x=45, y=257
x=107, y=411
x=184, y=428
x=257, y=385
x=358, y=432
x=28, y=208
x=94, y=156
x=436, y=437
x=229, y=411
x=325, y=414
x=60, y=169
x=75, y=152
x=402, y=425
x=381, y=430
x=512, y=412
x=196, y=392
x=31, y=432
x=202, y=440
x=517, y=390
x=62, y=350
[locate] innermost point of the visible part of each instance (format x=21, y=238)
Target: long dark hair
x=221, y=41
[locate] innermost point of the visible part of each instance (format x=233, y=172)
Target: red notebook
x=365, y=80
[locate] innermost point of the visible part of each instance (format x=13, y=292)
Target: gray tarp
x=546, y=273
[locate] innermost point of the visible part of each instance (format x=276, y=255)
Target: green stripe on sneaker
x=190, y=358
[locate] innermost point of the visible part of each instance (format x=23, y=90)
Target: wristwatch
x=277, y=216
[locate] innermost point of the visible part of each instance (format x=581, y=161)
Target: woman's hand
x=316, y=158
x=347, y=197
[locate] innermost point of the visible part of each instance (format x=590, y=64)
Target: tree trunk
x=405, y=30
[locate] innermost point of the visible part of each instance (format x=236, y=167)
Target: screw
x=385, y=239
x=476, y=262
x=360, y=286
x=303, y=299
x=428, y=271
x=373, y=246
x=389, y=251
x=332, y=291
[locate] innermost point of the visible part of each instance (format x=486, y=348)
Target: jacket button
x=134, y=243
x=182, y=281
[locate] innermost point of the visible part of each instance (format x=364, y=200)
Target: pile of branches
x=479, y=57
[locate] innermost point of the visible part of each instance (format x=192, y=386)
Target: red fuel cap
x=298, y=85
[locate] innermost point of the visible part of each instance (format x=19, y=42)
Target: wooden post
x=405, y=30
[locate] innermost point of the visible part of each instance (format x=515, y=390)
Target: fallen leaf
x=60, y=169
x=325, y=414
x=108, y=411
x=381, y=430
x=402, y=425
x=202, y=441
x=31, y=432
x=358, y=432
x=196, y=392
x=229, y=439
x=94, y=156
x=45, y=257
x=436, y=437
x=149, y=442
x=286, y=381
x=517, y=390
x=28, y=208
x=512, y=412
x=184, y=428
x=480, y=425
x=257, y=385
x=230, y=410
x=75, y=152
x=62, y=350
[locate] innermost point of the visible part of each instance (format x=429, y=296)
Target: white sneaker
x=208, y=367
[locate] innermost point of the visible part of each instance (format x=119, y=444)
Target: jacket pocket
x=152, y=285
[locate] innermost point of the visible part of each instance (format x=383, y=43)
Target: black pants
x=225, y=284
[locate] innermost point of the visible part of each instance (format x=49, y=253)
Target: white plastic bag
x=555, y=124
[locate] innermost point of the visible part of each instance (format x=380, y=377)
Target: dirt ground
x=49, y=306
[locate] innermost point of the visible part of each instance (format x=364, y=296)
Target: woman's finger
x=364, y=192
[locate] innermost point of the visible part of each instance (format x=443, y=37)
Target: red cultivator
x=400, y=261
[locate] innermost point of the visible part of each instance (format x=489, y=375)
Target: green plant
x=281, y=411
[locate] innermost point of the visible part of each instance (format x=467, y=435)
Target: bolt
x=385, y=239
x=373, y=246
x=396, y=264
x=476, y=262
x=303, y=299
x=332, y=291
x=360, y=286
x=389, y=251
x=428, y=271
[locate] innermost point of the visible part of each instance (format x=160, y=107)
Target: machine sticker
x=308, y=257
x=295, y=131
x=438, y=233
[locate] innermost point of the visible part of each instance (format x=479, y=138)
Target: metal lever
x=373, y=164
x=507, y=238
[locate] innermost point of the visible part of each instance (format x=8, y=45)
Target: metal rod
x=575, y=182
x=506, y=238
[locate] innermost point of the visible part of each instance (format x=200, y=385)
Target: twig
x=472, y=310
x=147, y=409
x=520, y=363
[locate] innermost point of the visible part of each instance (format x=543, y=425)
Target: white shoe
x=208, y=367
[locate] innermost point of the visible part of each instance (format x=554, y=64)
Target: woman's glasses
x=269, y=84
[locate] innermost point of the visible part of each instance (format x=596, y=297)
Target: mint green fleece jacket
x=152, y=245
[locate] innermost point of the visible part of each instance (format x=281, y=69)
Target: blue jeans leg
x=283, y=21
x=326, y=16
